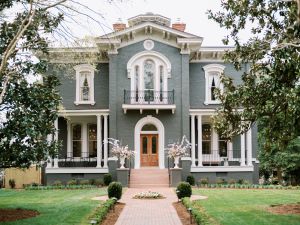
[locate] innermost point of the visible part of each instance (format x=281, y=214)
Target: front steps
x=149, y=177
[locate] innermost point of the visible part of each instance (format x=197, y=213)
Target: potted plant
x=122, y=152
x=178, y=149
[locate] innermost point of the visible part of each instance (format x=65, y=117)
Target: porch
x=83, y=151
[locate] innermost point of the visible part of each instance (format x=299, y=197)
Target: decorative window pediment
x=212, y=82
x=84, y=84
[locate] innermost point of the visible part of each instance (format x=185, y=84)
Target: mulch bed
x=285, y=209
x=112, y=217
x=183, y=214
x=16, y=214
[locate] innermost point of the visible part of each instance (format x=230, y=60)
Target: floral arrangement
x=179, y=149
x=148, y=195
x=119, y=150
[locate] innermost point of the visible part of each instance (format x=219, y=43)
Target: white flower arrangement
x=179, y=149
x=148, y=195
x=119, y=150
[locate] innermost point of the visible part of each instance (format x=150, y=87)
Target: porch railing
x=149, y=97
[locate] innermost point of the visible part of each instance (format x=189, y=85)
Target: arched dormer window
x=84, y=84
x=212, y=82
x=149, y=72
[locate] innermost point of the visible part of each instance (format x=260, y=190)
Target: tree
x=30, y=107
x=270, y=91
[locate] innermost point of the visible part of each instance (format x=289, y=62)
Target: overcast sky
x=191, y=12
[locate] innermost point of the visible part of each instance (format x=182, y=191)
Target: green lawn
x=247, y=207
x=56, y=207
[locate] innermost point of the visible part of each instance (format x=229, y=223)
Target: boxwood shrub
x=107, y=179
x=183, y=189
x=191, y=180
x=114, y=190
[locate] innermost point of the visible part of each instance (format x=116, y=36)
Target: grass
x=63, y=207
x=248, y=207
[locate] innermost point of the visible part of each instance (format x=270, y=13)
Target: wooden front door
x=149, y=149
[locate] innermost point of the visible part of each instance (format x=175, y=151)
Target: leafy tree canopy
x=28, y=108
x=270, y=62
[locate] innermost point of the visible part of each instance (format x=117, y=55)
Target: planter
x=122, y=162
x=176, y=162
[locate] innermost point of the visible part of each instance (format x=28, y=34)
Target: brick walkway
x=149, y=212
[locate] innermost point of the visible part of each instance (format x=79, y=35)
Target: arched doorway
x=149, y=142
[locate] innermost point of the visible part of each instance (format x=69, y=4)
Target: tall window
x=149, y=80
x=206, y=139
x=76, y=140
x=212, y=82
x=222, y=146
x=84, y=84
x=92, y=135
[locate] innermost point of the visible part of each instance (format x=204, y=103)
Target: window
x=222, y=146
x=206, y=139
x=84, y=84
x=212, y=82
x=149, y=72
x=76, y=140
x=92, y=136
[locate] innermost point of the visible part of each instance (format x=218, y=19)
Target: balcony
x=149, y=100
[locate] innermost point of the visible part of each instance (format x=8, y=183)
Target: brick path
x=149, y=212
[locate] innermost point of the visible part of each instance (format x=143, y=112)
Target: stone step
x=149, y=177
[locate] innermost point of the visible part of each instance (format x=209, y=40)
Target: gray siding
x=67, y=89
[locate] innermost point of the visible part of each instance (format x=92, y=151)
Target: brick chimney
x=179, y=25
x=119, y=25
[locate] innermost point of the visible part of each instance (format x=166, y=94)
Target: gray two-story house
x=147, y=84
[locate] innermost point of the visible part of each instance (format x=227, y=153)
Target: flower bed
x=148, y=195
x=248, y=186
x=53, y=187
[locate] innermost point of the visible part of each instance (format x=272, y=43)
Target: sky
x=191, y=12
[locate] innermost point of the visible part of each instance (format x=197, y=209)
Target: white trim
x=149, y=132
x=223, y=169
x=76, y=170
x=126, y=107
x=155, y=56
x=91, y=70
x=208, y=69
x=90, y=112
x=161, y=140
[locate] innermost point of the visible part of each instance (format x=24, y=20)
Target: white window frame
x=208, y=69
x=91, y=70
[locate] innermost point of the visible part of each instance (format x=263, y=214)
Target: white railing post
x=242, y=149
x=105, y=141
x=199, y=128
x=99, y=141
x=193, y=140
x=249, y=147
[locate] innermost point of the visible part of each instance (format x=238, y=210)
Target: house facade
x=147, y=84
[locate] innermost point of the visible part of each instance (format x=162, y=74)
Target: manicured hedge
x=65, y=187
x=102, y=211
x=248, y=186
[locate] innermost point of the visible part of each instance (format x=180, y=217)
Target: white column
x=249, y=147
x=69, y=139
x=193, y=140
x=230, y=150
x=105, y=141
x=84, y=148
x=242, y=149
x=215, y=146
x=49, y=162
x=99, y=141
x=56, y=138
x=199, y=126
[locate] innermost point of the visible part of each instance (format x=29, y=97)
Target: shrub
x=204, y=181
x=107, y=179
x=98, y=182
x=275, y=181
x=183, y=190
x=92, y=181
x=34, y=184
x=191, y=180
x=12, y=183
x=57, y=183
x=246, y=182
x=240, y=181
x=231, y=181
x=114, y=190
x=84, y=182
x=102, y=210
x=72, y=182
x=221, y=181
